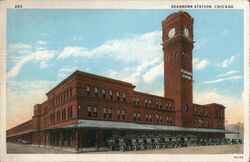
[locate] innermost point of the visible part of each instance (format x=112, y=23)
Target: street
x=219, y=149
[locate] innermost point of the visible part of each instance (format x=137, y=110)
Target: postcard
x=125, y=80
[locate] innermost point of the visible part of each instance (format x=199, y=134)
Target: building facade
x=85, y=109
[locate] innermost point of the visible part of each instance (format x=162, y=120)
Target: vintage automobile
x=226, y=141
x=176, y=141
x=165, y=142
x=203, y=141
x=190, y=140
x=141, y=144
x=156, y=142
x=215, y=141
x=117, y=143
x=235, y=141
x=132, y=143
x=148, y=143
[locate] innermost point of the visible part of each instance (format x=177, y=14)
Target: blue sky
x=46, y=45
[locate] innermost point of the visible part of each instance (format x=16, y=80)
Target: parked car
x=117, y=143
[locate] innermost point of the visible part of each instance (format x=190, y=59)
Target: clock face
x=186, y=32
x=171, y=32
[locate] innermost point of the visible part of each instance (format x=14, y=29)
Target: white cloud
x=65, y=71
x=40, y=56
x=234, y=106
x=227, y=62
x=200, y=64
x=228, y=73
x=132, y=74
x=129, y=49
x=41, y=43
x=153, y=73
x=222, y=79
x=20, y=48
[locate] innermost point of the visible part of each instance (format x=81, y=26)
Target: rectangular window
x=111, y=95
x=150, y=117
x=160, y=119
x=157, y=118
x=139, y=116
x=146, y=102
x=95, y=111
x=110, y=113
x=117, y=96
x=134, y=100
x=58, y=115
x=96, y=92
x=146, y=116
x=124, y=97
x=88, y=90
x=52, y=118
x=103, y=93
x=70, y=112
x=134, y=116
x=118, y=114
x=149, y=103
x=138, y=101
x=104, y=112
x=89, y=111
x=157, y=104
x=63, y=114
x=123, y=114
x=160, y=105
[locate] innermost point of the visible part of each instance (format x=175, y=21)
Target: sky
x=44, y=46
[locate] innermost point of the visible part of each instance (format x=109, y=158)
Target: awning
x=146, y=127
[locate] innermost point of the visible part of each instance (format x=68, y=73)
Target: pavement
x=219, y=149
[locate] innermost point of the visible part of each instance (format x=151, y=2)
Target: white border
x=119, y=4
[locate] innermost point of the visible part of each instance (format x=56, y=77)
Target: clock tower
x=177, y=37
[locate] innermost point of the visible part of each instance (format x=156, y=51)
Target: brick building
x=85, y=109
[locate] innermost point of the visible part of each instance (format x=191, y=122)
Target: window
x=58, y=116
x=89, y=111
x=170, y=120
x=52, y=118
x=124, y=97
x=167, y=120
x=70, y=92
x=149, y=103
x=103, y=93
x=150, y=117
x=110, y=113
x=63, y=114
x=160, y=104
x=104, y=112
x=88, y=90
x=138, y=101
x=134, y=116
x=95, y=112
x=139, y=116
x=134, y=100
x=118, y=96
x=70, y=112
x=118, y=114
x=123, y=114
x=157, y=118
x=111, y=95
x=157, y=104
x=146, y=116
x=96, y=92
x=146, y=102
x=160, y=119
